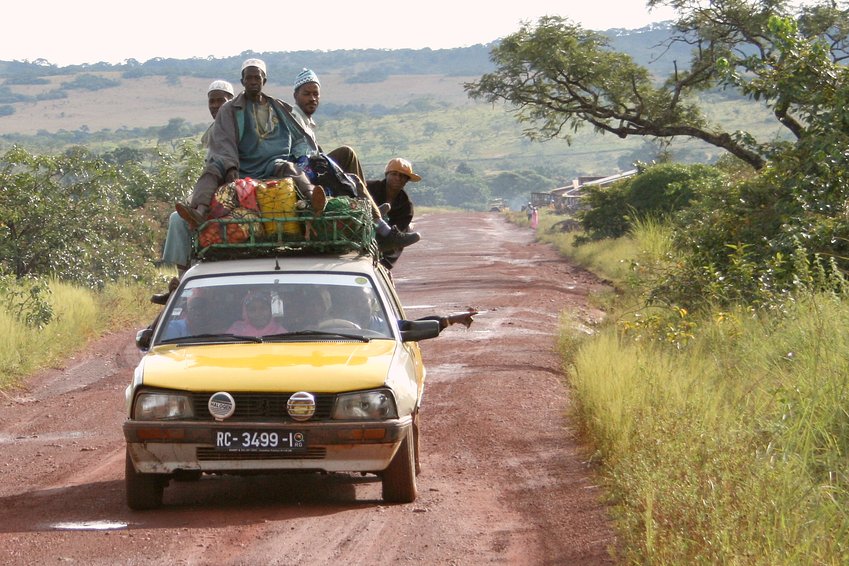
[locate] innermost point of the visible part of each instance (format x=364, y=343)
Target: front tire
x=399, y=479
x=416, y=445
x=144, y=491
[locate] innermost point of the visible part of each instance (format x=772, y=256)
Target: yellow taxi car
x=270, y=365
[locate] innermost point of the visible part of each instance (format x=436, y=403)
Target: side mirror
x=415, y=330
x=143, y=339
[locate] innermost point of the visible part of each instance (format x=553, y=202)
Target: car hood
x=324, y=367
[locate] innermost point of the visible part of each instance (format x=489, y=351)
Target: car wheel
x=399, y=479
x=144, y=491
x=416, y=444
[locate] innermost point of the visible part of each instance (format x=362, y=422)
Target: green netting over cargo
x=346, y=225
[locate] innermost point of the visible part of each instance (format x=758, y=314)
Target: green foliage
x=656, y=192
x=729, y=446
x=559, y=76
x=88, y=81
x=604, y=212
x=55, y=94
x=26, y=79
x=369, y=76
x=78, y=314
x=753, y=241
x=7, y=96
x=26, y=300
x=176, y=128
x=62, y=216
x=511, y=184
x=669, y=187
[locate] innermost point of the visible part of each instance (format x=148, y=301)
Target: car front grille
x=206, y=454
x=261, y=406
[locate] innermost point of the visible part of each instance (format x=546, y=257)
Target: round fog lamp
x=221, y=405
x=301, y=406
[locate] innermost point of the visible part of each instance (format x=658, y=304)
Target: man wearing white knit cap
x=254, y=135
x=178, y=238
x=217, y=94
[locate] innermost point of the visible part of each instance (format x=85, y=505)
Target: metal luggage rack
x=332, y=232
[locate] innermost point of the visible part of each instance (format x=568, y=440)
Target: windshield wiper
x=211, y=338
x=309, y=333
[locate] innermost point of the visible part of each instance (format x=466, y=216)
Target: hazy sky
x=90, y=31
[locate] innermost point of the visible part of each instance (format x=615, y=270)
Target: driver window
x=304, y=307
x=358, y=305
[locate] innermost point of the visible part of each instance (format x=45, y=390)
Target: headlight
x=160, y=406
x=366, y=405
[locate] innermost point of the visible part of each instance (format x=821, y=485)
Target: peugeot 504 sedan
x=270, y=365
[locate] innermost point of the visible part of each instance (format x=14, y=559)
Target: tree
x=511, y=184
x=62, y=216
x=176, y=128
x=559, y=76
x=465, y=191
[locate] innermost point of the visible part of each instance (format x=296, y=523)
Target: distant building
x=568, y=198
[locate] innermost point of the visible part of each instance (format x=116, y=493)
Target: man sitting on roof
x=254, y=135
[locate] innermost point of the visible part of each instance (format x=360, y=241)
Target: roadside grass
x=731, y=450
x=722, y=439
x=619, y=261
x=79, y=315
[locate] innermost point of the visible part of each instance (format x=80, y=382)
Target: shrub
x=656, y=192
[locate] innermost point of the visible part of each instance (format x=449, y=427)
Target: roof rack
x=346, y=227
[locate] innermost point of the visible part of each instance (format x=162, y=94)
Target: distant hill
x=385, y=102
x=38, y=96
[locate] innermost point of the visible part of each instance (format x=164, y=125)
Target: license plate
x=259, y=441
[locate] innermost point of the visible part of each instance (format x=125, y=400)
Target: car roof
x=350, y=263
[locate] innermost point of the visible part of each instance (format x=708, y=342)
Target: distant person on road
x=397, y=173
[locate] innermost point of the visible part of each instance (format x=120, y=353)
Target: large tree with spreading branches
x=559, y=76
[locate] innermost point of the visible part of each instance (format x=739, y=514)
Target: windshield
x=274, y=307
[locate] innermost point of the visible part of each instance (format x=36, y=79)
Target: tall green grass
x=731, y=450
x=723, y=439
x=78, y=316
x=619, y=261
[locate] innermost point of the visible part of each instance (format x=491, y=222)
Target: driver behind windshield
x=355, y=304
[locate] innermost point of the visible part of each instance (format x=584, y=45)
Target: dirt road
x=503, y=480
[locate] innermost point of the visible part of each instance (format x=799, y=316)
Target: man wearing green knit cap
x=307, y=96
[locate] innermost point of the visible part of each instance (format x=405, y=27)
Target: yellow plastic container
x=278, y=199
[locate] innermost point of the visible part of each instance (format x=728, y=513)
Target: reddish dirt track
x=504, y=480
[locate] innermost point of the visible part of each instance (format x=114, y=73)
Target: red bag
x=246, y=191
x=240, y=193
